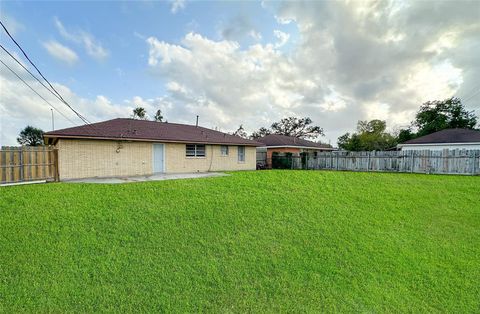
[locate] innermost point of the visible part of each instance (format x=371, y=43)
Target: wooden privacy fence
x=23, y=164
x=416, y=161
x=465, y=162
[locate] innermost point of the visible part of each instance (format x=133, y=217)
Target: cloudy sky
x=234, y=63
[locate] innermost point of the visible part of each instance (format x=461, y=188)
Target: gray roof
x=132, y=129
x=290, y=141
x=448, y=136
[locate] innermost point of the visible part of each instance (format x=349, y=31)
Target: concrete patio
x=154, y=177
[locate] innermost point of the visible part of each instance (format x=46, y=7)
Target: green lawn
x=265, y=241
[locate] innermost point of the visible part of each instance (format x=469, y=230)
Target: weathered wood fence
x=424, y=161
x=465, y=162
x=23, y=164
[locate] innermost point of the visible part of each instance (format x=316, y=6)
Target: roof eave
x=296, y=146
x=57, y=136
x=433, y=144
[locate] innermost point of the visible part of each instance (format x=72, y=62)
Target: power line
x=471, y=96
x=39, y=72
x=467, y=95
x=28, y=85
x=29, y=72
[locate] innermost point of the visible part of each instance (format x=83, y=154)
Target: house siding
x=95, y=158
x=292, y=150
x=99, y=158
x=177, y=162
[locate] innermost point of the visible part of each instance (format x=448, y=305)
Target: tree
x=371, y=135
x=158, y=116
x=240, y=132
x=260, y=133
x=139, y=113
x=30, y=136
x=405, y=135
x=297, y=127
x=438, y=115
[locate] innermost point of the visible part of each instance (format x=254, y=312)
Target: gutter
x=437, y=144
x=56, y=137
x=304, y=147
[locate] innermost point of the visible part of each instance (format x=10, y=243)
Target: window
x=195, y=150
x=241, y=153
x=224, y=150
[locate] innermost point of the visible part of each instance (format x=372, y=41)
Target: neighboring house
x=289, y=144
x=445, y=139
x=128, y=147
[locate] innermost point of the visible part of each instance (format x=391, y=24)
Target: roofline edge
x=144, y=140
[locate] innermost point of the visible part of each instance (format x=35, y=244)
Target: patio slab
x=154, y=177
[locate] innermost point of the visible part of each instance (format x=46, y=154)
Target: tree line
x=291, y=126
x=432, y=116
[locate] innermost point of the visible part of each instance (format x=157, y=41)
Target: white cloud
x=11, y=23
x=283, y=21
x=92, y=46
x=282, y=38
x=177, y=5
x=351, y=62
x=255, y=35
x=19, y=106
x=231, y=86
x=60, y=52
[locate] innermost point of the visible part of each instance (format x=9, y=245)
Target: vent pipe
x=196, y=124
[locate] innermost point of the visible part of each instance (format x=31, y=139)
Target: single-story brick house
x=445, y=139
x=289, y=144
x=129, y=147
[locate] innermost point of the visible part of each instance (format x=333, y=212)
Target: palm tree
x=158, y=116
x=139, y=113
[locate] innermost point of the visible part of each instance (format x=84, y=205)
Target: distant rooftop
x=290, y=141
x=448, y=136
x=132, y=129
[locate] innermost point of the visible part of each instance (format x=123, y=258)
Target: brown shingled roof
x=448, y=136
x=131, y=129
x=290, y=141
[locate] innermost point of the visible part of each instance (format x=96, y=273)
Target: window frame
x=196, y=150
x=222, y=153
x=241, y=148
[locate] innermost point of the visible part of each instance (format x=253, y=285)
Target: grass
x=265, y=241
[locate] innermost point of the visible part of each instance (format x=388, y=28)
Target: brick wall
x=176, y=161
x=99, y=158
x=293, y=150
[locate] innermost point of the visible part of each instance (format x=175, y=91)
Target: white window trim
x=195, y=157
x=221, y=152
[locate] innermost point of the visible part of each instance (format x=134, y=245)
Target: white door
x=158, y=154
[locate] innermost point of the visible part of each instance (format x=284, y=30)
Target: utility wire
x=31, y=74
x=28, y=85
x=471, y=96
x=468, y=94
x=39, y=72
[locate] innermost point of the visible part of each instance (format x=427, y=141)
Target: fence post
x=368, y=161
x=56, y=174
x=412, y=160
x=474, y=157
x=20, y=159
x=336, y=154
